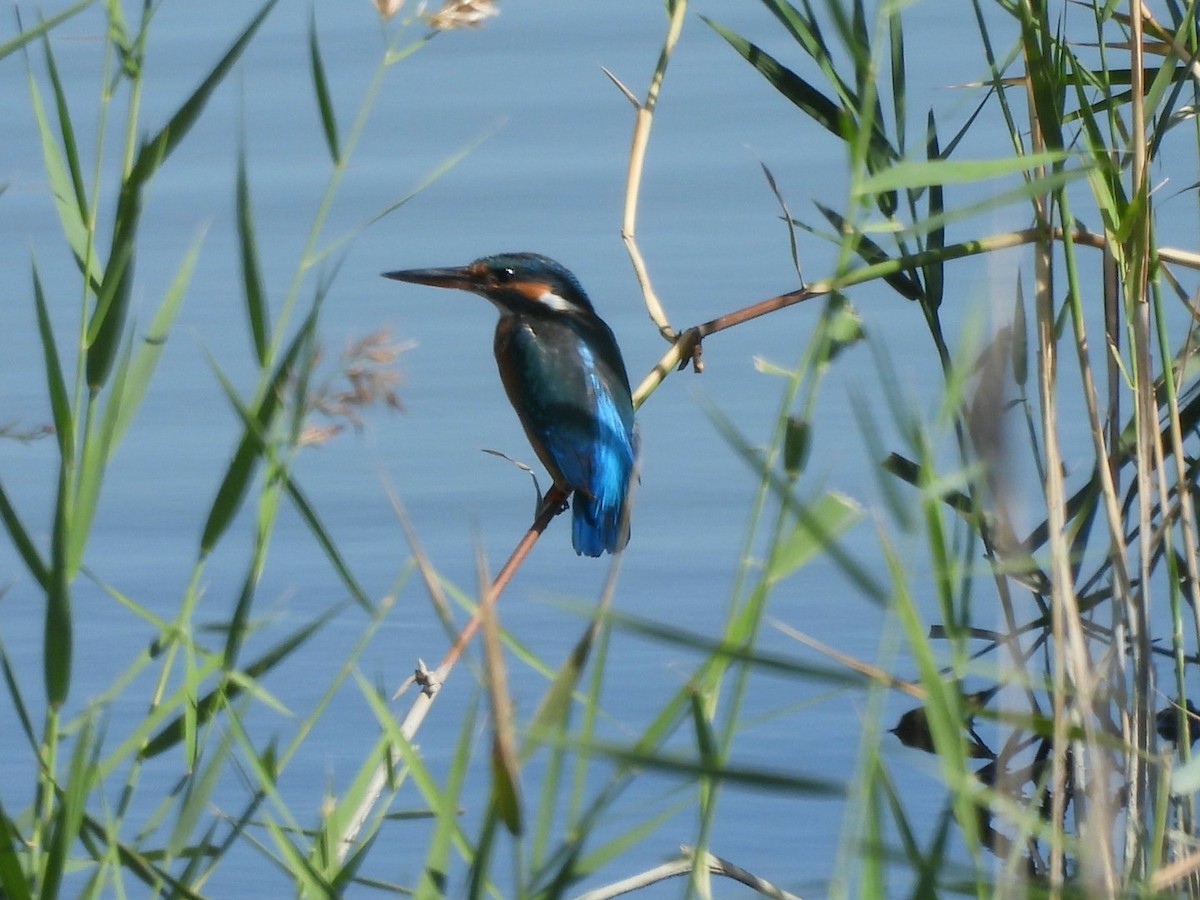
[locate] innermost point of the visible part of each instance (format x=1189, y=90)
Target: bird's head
x=515, y=282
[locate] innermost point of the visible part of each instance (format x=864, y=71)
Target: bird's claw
x=692, y=352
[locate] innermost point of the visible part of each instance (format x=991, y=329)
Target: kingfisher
x=564, y=375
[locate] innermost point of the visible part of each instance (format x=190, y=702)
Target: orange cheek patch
x=533, y=290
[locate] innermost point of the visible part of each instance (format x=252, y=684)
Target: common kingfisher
x=564, y=375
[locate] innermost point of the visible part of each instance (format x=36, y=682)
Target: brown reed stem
x=552, y=505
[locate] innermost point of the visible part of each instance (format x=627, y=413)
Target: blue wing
x=572, y=395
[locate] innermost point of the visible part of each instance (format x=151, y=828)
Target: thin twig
x=431, y=681
x=683, y=866
x=1137, y=258
x=687, y=344
x=637, y=162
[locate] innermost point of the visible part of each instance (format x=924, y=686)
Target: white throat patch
x=552, y=301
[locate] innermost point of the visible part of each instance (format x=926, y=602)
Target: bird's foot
x=556, y=500
x=691, y=350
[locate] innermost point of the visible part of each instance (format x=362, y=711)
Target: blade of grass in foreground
x=252, y=283
x=236, y=482
x=12, y=45
x=108, y=319
x=64, y=180
x=220, y=696
x=321, y=88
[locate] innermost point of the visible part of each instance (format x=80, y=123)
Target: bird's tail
x=598, y=526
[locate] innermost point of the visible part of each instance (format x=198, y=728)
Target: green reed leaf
x=13, y=882
x=914, y=173
x=145, y=358
x=112, y=304
x=816, y=105
x=69, y=817
x=209, y=704
x=506, y=798
x=934, y=272
x=308, y=512
x=66, y=130
x=155, y=151
x=817, y=525
x=321, y=88
x=21, y=540
x=433, y=881
x=1020, y=339
x=13, y=44
x=252, y=283
x=871, y=253
x=250, y=449
x=57, y=638
x=72, y=215
x=60, y=400
x=107, y=323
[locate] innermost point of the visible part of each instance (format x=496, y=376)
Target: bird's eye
x=505, y=275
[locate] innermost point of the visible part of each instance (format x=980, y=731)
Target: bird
x=564, y=375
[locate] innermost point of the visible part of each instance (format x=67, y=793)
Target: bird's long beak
x=459, y=277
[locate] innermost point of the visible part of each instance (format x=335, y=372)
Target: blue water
x=548, y=177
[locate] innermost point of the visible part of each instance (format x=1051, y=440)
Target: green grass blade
x=197, y=797
x=309, y=513
x=725, y=650
x=934, y=271
x=309, y=882
x=856, y=571
x=237, y=624
x=210, y=703
x=685, y=767
x=252, y=283
x=871, y=253
x=321, y=88
x=1020, y=339
x=434, y=881
x=69, y=816
x=899, y=77
x=150, y=347
x=554, y=710
x=806, y=31
x=72, y=215
x=1043, y=73
x=97, y=449
x=506, y=795
x=18, y=700
x=13, y=883
x=12, y=45
x=158, y=148
x=942, y=698
x=477, y=873
x=818, y=523
x=914, y=173
x=398, y=752
x=108, y=318
x=57, y=640
x=236, y=482
x=60, y=400
x=107, y=323
x=23, y=543
x=67, y=131
x=816, y=105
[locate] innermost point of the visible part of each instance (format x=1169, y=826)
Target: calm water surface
x=549, y=177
